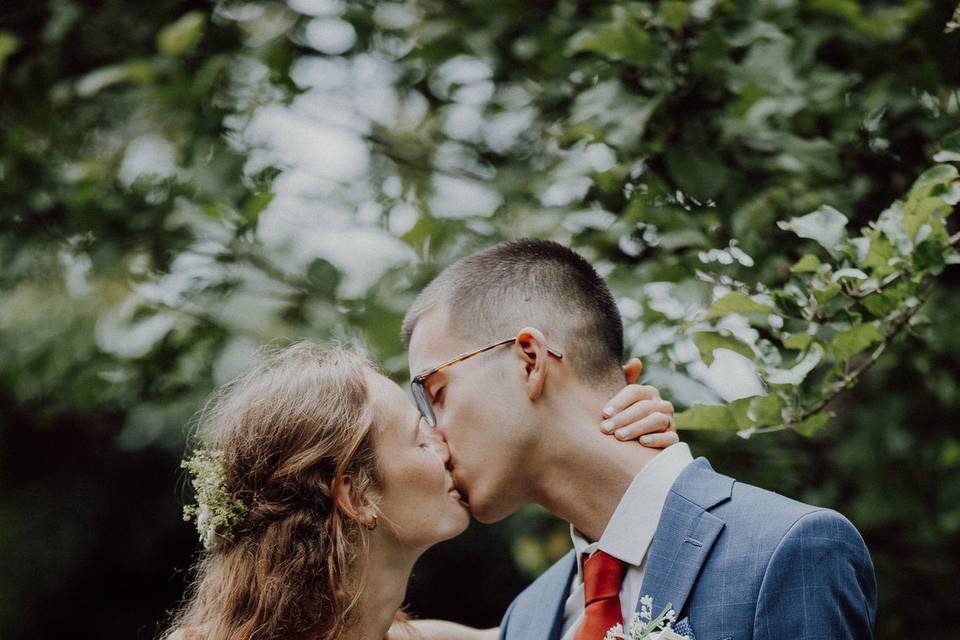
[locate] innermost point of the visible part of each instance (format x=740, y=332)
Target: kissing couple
x=319, y=483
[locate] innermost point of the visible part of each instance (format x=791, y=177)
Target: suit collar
x=686, y=533
x=703, y=486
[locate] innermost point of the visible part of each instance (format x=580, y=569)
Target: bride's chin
x=460, y=519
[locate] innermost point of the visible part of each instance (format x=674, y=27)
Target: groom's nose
x=438, y=443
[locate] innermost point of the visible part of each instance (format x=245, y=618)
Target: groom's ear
x=533, y=352
x=632, y=370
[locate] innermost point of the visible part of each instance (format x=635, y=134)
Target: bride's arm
x=439, y=630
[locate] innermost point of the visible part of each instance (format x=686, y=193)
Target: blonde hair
x=292, y=426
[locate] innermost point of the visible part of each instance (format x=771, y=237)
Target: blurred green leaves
x=672, y=143
x=181, y=36
x=9, y=44
x=621, y=39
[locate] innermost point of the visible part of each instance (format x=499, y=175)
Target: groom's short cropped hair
x=494, y=293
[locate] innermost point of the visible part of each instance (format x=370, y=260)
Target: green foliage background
x=181, y=181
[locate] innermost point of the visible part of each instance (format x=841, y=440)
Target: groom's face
x=480, y=406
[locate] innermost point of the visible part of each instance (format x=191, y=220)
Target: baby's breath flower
x=954, y=24
x=643, y=626
x=216, y=511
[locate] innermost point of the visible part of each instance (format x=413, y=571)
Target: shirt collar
x=630, y=531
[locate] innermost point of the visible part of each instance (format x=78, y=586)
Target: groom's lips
x=458, y=489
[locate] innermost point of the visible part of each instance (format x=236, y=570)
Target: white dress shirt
x=628, y=535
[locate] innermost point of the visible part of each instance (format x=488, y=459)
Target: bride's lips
x=455, y=490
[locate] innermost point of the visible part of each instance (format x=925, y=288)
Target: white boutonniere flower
x=643, y=626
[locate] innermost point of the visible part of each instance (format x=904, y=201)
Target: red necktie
x=602, y=577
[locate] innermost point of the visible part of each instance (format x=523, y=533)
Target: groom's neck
x=581, y=473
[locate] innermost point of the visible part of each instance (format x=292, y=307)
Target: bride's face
x=418, y=504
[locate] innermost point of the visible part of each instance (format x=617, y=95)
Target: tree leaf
x=9, y=45
x=181, y=36
x=854, y=340
x=765, y=410
x=939, y=175
x=740, y=414
x=707, y=341
x=949, y=148
x=675, y=14
x=880, y=304
x=796, y=374
x=797, y=341
x=706, y=417
x=324, y=277
x=623, y=38
x=700, y=173
x=736, y=302
x=928, y=256
x=826, y=225
x=740, y=409
x=812, y=424
x=848, y=274
x=825, y=292
x=807, y=264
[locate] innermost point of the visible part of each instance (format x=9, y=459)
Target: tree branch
x=851, y=378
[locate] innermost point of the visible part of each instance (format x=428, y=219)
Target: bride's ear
x=349, y=501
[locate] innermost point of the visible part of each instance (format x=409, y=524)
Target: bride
x=318, y=488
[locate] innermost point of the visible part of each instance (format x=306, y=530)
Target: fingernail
x=646, y=439
x=608, y=411
x=607, y=425
x=622, y=434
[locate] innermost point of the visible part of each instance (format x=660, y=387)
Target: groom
x=733, y=561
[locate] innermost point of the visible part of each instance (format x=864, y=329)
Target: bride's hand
x=637, y=412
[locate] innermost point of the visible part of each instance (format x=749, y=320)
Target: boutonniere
x=643, y=626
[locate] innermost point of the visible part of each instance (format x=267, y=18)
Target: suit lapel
x=558, y=607
x=543, y=616
x=685, y=534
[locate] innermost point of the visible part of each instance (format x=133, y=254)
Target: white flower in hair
x=216, y=511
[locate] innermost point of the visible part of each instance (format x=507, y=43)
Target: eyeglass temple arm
x=421, y=376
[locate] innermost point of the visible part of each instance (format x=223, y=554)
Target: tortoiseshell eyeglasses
x=420, y=392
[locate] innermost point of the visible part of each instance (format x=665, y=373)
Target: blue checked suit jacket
x=736, y=562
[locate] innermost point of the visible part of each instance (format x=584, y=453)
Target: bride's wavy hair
x=290, y=428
